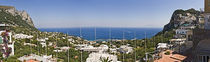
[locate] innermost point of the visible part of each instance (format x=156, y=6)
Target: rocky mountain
x=181, y=17
x=15, y=15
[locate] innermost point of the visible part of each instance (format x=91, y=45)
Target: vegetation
x=21, y=49
x=139, y=46
x=105, y=59
x=16, y=20
x=167, y=53
x=20, y=26
x=183, y=12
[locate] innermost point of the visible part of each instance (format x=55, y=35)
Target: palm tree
x=105, y=59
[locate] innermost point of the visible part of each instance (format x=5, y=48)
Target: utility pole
x=67, y=45
x=135, y=44
x=110, y=36
x=82, y=42
x=123, y=44
x=80, y=33
x=37, y=44
x=30, y=45
x=46, y=44
x=146, y=47
x=56, y=46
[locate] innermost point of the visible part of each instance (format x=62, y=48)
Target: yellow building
x=207, y=6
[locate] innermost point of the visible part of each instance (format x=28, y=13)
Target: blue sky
x=102, y=13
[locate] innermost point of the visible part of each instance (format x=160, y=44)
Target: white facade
x=39, y=58
x=95, y=57
x=126, y=49
x=91, y=49
x=22, y=36
x=10, y=43
x=12, y=47
x=162, y=45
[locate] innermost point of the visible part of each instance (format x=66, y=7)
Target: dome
x=203, y=47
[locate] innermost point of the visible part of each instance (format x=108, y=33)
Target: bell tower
x=207, y=6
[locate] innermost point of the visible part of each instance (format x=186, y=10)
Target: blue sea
x=104, y=33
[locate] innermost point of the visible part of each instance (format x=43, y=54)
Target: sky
x=102, y=13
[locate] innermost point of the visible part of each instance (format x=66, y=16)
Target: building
x=170, y=58
x=181, y=31
x=125, y=49
x=207, y=6
x=200, y=52
x=207, y=14
x=180, y=45
x=7, y=45
x=22, y=36
x=162, y=46
x=89, y=48
x=33, y=57
x=95, y=57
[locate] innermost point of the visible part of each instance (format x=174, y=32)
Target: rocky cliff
x=181, y=17
x=15, y=13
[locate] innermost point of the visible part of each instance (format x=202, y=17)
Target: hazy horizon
x=101, y=13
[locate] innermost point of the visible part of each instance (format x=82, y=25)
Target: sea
x=106, y=33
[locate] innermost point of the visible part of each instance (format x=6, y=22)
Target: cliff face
x=180, y=17
x=23, y=14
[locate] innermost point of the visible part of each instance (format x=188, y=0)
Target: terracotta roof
x=32, y=60
x=171, y=57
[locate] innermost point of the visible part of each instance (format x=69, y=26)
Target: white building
x=22, y=36
x=43, y=42
x=10, y=44
x=125, y=49
x=89, y=48
x=79, y=46
x=162, y=46
x=188, y=27
x=178, y=41
x=95, y=57
x=65, y=48
x=103, y=47
x=38, y=58
x=57, y=50
x=113, y=50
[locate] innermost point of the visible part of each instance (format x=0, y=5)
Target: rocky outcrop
x=14, y=12
x=181, y=17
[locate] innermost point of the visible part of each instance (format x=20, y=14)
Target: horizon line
x=95, y=27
